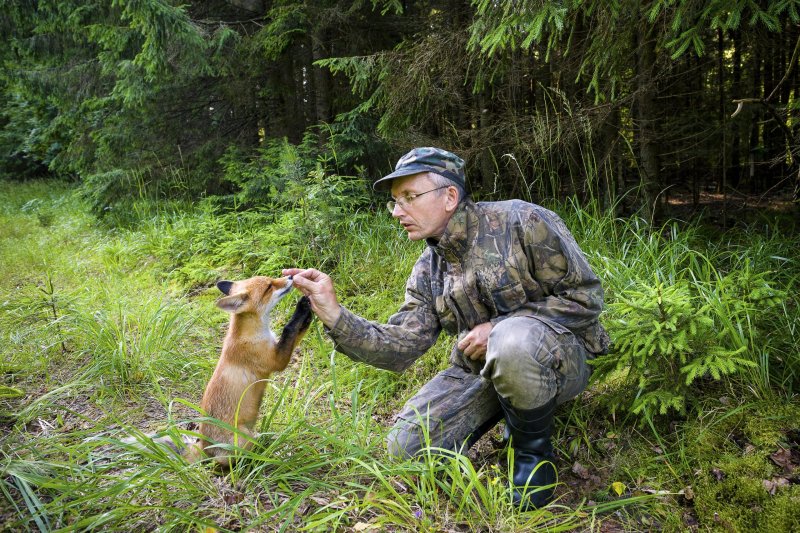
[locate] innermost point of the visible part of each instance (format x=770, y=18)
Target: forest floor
x=77, y=301
x=724, y=211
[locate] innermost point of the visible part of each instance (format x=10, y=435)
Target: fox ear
x=232, y=303
x=225, y=286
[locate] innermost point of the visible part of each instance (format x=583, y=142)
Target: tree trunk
x=754, y=148
x=736, y=92
x=646, y=120
x=274, y=107
x=723, y=183
x=486, y=160
x=771, y=143
x=607, y=187
x=322, y=86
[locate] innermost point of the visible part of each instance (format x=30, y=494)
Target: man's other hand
x=474, y=343
x=318, y=286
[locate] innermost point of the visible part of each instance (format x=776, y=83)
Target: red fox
x=250, y=353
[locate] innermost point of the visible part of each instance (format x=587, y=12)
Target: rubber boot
x=534, y=474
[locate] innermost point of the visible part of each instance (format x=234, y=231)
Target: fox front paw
x=302, y=313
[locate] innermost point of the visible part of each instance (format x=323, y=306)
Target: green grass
x=111, y=332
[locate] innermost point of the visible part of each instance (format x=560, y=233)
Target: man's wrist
x=331, y=318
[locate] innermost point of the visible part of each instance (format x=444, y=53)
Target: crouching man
x=509, y=279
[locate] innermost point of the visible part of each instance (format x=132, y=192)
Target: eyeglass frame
x=405, y=201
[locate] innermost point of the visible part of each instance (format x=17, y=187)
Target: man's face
x=426, y=215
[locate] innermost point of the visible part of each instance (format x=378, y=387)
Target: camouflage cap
x=426, y=159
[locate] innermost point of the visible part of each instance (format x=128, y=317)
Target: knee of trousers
x=521, y=361
x=404, y=440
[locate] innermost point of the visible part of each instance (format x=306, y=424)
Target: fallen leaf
x=232, y=498
x=362, y=526
x=772, y=485
x=658, y=492
x=783, y=458
x=400, y=487
x=320, y=501
x=580, y=470
x=618, y=487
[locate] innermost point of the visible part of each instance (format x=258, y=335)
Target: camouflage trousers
x=529, y=361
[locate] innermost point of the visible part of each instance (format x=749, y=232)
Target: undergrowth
x=111, y=332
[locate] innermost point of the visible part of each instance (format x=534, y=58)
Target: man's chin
x=414, y=236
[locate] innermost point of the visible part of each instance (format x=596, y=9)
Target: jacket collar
x=458, y=235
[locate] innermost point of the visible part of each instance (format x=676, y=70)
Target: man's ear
x=225, y=286
x=232, y=303
x=451, y=202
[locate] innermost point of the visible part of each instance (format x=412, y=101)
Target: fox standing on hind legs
x=250, y=353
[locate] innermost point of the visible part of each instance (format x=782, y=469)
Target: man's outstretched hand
x=318, y=286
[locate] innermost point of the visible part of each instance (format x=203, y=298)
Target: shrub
x=670, y=336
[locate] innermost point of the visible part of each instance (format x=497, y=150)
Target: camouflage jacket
x=495, y=260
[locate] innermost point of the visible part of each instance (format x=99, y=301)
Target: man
x=506, y=277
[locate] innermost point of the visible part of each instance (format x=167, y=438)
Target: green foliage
x=134, y=346
x=300, y=221
x=263, y=177
x=82, y=72
x=665, y=339
x=693, y=324
x=718, y=467
x=111, y=92
x=284, y=23
x=517, y=26
x=44, y=213
x=122, y=198
x=10, y=392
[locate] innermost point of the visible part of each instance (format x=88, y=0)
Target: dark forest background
x=628, y=103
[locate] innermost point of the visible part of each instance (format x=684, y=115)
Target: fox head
x=254, y=295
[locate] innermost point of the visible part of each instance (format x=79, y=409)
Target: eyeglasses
x=405, y=201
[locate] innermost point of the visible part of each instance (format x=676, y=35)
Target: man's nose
x=396, y=210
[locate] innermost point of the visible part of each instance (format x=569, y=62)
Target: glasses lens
x=390, y=206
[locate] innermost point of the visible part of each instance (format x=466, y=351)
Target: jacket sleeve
x=406, y=336
x=573, y=295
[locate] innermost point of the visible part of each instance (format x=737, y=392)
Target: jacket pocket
x=508, y=298
x=555, y=326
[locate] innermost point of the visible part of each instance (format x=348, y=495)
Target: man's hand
x=319, y=289
x=474, y=343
